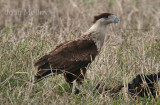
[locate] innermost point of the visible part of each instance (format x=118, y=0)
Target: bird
x=73, y=57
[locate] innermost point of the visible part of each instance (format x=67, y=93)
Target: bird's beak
x=116, y=20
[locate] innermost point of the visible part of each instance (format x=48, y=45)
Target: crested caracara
x=72, y=57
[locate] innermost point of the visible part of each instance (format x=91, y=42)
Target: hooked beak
x=116, y=20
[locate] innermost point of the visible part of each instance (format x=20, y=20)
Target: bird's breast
x=99, y=40
x=99, y=45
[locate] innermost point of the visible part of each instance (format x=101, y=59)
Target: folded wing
x=69, y=56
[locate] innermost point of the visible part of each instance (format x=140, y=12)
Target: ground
x=32, y=28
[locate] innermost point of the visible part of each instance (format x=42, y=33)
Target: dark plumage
x=103, y=15
x=142, y=85
x=68, y=58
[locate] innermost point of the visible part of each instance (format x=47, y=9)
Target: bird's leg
x=78, y=76
x=71, y=87
x=80, y=79
x=77, y=91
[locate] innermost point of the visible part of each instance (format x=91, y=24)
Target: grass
x=131, y=47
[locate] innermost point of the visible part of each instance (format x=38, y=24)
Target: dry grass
x=31, y=28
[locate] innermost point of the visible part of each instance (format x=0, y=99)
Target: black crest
x=103, y=15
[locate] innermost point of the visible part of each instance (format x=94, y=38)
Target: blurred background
x=32, y=28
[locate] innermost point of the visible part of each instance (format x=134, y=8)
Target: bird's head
x=106, y=18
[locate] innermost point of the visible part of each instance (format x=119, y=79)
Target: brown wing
x=69, y=56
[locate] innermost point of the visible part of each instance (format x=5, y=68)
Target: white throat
x=98, y=27
x=97, y=33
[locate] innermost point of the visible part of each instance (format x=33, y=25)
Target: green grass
x=127, y=51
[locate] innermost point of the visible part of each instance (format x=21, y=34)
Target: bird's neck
x=97, y=34
x=98, y=28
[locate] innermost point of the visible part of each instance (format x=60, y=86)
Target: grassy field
x=32, y=28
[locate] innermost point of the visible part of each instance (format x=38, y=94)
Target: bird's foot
x=77, y=91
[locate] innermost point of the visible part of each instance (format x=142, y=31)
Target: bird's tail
x=41, y=74
x=44, y=69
